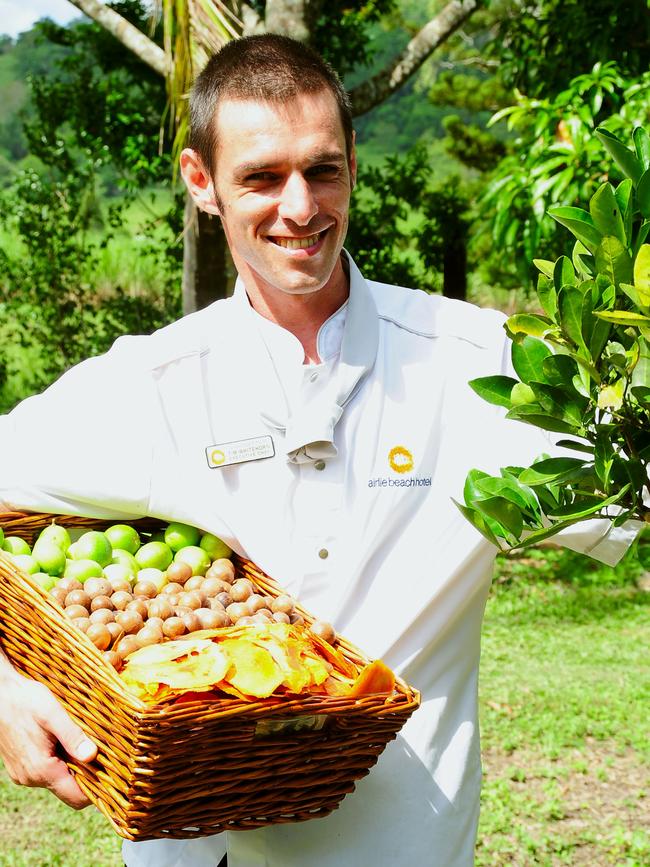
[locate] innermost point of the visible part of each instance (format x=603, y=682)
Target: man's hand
x=32, y=723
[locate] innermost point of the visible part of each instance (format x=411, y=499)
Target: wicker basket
x=194, y=768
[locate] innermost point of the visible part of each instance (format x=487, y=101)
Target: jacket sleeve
x=84, y=445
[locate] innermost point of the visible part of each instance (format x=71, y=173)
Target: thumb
x=72, y=738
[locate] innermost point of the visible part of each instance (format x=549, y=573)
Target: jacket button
x=323, y=553
x=319, y=465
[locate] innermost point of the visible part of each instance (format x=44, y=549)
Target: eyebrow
x=316, y=159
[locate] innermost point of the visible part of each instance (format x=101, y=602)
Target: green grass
x=564, y=696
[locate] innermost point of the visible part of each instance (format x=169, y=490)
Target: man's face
x=282, y=182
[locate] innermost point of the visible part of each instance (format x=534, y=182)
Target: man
x=320, y=424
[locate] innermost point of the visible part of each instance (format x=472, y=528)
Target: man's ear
x=198, y=182
x=352, y=161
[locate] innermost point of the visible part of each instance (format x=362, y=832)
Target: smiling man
x=321, y=424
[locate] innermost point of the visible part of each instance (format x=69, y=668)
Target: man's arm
x=32, y=726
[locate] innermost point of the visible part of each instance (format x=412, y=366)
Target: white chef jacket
x=364, y=531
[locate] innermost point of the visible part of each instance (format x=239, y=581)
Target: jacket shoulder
x=432, y=316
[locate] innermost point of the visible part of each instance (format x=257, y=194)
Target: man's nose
x=297, y=202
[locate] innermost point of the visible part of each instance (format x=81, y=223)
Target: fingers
x=67, y=732
x=61, y=783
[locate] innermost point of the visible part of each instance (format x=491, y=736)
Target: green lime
x=16, y=545
x=46, y=581
x=214, y=547
x=50, y=557
x=154, y=555
x=26, y=562
x=196, y=558
x=126, y=559
x=57, y=534
x=2, y=537
x=124, y=537
x=82, y=570
x=93, y=545
x=179, y=536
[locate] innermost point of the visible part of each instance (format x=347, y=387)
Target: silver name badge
x=239, y=452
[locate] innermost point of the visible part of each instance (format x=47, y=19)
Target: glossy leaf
x=504, y=512
x=540, y=419
x=623, y=317
x=547, y=295
x=508, y=489
x=642, y=274
x=641, y=372
x=552, y=470
x=528, y=323
x=559, y=370
x=642, y=394
x=587, y=506
x=557, y=402
x=545, y=266
x=623, y=157
x=606, y=213
x=564, y=273
x=478, y=521
x=580, y=223
x=643, y=194
x=570, y=308
x=582, y=260
x=576, y=446
x=494, y=389
x=613, y=260
x=623, y=193
x=642, y=146
x=528, y=357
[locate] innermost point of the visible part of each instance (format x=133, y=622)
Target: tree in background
x=194, y=28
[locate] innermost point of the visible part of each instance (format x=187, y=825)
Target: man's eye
x=323, y=170
x=261, y=176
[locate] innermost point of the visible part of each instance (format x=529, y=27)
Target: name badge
x=239, y=452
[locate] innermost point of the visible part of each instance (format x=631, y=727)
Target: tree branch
x=438, y=30
x=126, y=33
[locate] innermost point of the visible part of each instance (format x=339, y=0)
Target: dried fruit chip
x=375, y=678
x=255, y=671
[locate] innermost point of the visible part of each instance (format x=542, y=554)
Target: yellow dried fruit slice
x=254, y=670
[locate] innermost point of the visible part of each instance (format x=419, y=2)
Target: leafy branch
x=584, y=371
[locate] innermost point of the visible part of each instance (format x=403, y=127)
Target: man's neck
x=302, y=315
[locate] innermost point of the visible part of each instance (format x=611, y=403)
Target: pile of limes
x=126, y=592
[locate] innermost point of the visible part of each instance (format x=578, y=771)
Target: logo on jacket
x=400, y=459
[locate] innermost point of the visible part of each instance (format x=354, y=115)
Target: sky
x=19, y=15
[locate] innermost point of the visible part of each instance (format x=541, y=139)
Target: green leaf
x=547, y=295
x=578, y=222
x=494, y=389
x=471, y=493
x=538, y=418
x=570, y=312
x=559, y=370
x=587, y=506
x=641, y=393
x=623, y=317
x=528, y=356
x=552, y=470
x=521, y=394
x=642, y=274
x=642, y=145
x=603, y=459
x=559, y=403
x=479, y=522
x=509, y=489
x=528, y=323
x=613, y=260
x=642, y=234
x=641, y=372
x=631, y=293
x=623, y=157
x=540, y=535
x=623, y=193
x=643, y=194
x=611, y=396
x=606, y=214
x=504, y=512
x=563, y=273
x=545, y=266
x=582, y=260
x=575, y=445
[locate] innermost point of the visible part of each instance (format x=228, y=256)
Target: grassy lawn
x=565, y=691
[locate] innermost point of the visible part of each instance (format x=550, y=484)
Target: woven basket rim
x=229, y=706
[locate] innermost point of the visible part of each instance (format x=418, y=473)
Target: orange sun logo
x=400, y=459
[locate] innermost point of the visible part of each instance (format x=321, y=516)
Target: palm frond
x=193, y=30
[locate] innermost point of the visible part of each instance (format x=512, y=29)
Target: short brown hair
x=267, y=67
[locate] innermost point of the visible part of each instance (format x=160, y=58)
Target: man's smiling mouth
x=298, y=243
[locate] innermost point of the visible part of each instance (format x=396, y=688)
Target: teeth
x=297, y=243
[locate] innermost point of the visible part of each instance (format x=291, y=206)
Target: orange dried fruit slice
x=255, y=671
x=375, y=679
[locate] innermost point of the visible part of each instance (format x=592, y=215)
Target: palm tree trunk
x=208, y=270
